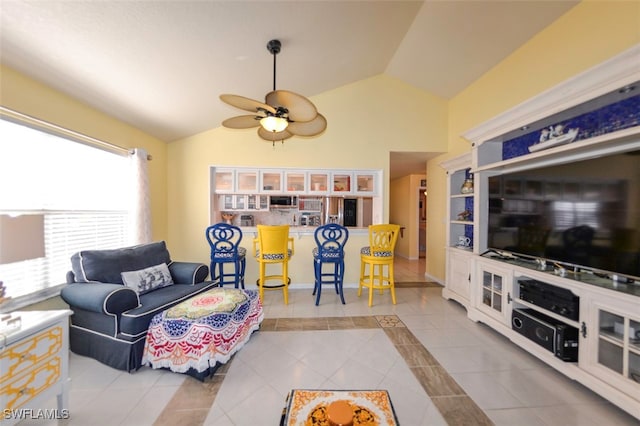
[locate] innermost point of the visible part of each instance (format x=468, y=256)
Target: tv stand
x=487, y=282
x=608, y=344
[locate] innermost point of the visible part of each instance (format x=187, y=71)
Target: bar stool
x=273, y=246
x=377, y=255
x=224, y=240
x=330, y=241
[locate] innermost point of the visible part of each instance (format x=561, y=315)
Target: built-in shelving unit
x=602, y=333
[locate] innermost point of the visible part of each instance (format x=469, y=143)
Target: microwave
x=283, y=201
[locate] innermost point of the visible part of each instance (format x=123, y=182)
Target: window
x=82, y=191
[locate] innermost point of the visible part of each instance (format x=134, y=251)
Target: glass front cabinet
x=614, y=346
x=494, y=297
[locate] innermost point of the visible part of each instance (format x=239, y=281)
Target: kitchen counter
x=301, y=263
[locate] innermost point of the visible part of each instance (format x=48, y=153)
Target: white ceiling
x=160, y=65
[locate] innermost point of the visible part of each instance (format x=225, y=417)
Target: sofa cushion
x=148, y=279
x=107, y=265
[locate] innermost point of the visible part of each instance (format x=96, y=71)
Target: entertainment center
x=545, y=247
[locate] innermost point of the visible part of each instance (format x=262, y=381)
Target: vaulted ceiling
x=161, y=65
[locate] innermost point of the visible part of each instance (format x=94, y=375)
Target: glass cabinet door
x=224, y=180
x=271, y=181
x=341, y=182
x=619, y=344
x=318, y=182
x=295, y=182
x=365, y=183
x=247, y=181
x=495, y=294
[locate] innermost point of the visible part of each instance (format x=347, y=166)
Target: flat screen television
x=584, y=213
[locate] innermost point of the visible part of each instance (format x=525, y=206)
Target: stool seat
x=330, y=241
x=224, y=240
x=378, y=257
x=367, y=252
x=242, y=252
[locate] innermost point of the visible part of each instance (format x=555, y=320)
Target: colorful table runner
x=203, y=330
x=309, y=407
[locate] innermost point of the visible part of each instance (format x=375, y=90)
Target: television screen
x=584, y=213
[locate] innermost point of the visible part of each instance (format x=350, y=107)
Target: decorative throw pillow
x=145, y=280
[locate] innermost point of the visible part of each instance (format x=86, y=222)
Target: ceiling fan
x=283, y=114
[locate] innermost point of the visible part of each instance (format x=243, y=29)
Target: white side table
x=34, y=366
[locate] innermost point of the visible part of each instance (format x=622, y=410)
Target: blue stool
x=330, y=241
x=224, y=240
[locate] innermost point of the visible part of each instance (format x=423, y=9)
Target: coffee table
x=203, y=332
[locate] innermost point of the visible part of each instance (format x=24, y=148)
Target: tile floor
x=439, y=368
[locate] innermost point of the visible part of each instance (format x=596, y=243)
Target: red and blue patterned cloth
x=202, y=331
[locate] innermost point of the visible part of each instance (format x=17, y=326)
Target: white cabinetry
x=34, y=364
x=613, y=342
x=494, y=290
x=458, y=276
x=460, y=227
x=608, y=321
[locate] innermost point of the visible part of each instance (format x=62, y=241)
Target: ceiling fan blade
x=242, y=122
x=300, y=108
x=308, y=128
x=273, y=136
x=246, y=103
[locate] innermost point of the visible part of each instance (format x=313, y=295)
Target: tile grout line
x=446, y=398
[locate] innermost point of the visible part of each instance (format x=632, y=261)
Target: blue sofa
x=110, y=319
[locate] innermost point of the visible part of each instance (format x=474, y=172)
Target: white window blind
x=82, y=191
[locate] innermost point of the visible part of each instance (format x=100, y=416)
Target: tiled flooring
x=439, y=368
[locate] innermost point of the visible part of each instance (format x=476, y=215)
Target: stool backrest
x=224, y=238
x=331, y=238
x=383, y=238
x=273, y=239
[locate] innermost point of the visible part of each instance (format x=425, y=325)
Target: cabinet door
x=459, y=273
x=613, y=339
x=365, y=183
x=224, y=180
x=271, y=181
x=495, y=286
x=247, y=181
x=295, y=182
x=318, y=183
x=257, y=202
x=341, y=183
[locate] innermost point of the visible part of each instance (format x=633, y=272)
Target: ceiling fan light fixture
x=273, y=123
x=283, y=114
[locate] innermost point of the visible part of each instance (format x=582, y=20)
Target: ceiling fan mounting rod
x=274, y=48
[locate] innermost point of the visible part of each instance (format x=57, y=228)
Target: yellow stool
x=273, y=246
x=378, y=254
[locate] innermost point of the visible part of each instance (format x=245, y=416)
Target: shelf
x=462, y=222
x=548, y=313
x=624, y=139
x=462, y=195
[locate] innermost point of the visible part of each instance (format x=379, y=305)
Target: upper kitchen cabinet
x=247, y=181
x=224, y=180
x=295, y=182
x=271, y=181
x=366, y=183
x=318, y=183
x=342, y=182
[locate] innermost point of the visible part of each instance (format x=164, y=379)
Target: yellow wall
x=366, y=120
x=29, y=97
x=590, y=33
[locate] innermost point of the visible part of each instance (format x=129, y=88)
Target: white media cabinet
x=488, y=285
